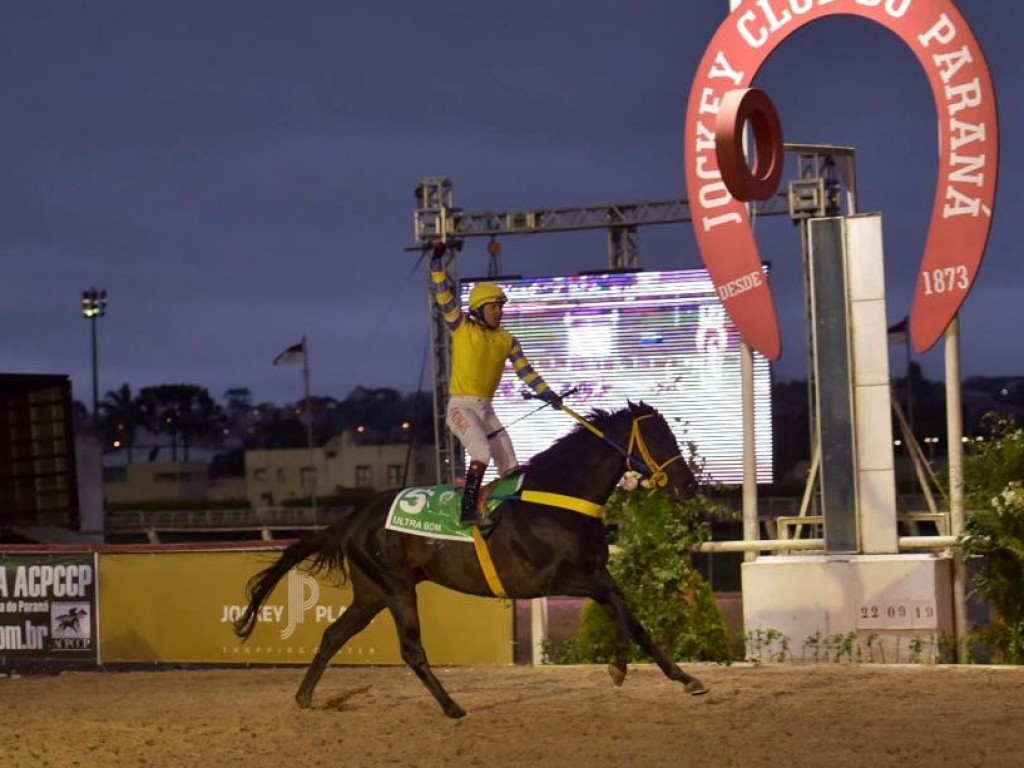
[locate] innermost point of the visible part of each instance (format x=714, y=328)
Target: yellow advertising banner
x=178, y=607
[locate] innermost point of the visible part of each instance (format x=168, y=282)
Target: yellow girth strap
x=483, y=554
x=582, y=506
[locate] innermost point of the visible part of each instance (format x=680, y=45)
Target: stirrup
x=472, y=517
x=483, y=523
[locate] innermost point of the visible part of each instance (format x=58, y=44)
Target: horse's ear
x=629, y=404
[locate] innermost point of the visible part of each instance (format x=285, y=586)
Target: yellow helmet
x=485, y=293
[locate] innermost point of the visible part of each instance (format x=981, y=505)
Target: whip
x=529, y=396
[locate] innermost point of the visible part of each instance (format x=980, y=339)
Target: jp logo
x=303, y=594
x=968, y=142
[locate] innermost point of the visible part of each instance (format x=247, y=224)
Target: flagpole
x=308, y=414
x=910, y=385
x=901, y=332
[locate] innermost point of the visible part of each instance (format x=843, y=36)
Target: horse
x=546, y=539
x=71, y=621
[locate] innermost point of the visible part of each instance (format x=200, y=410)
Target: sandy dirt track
x=844, y=716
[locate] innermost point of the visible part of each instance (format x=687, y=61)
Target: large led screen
x=658, y=337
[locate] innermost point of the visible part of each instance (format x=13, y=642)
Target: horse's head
x=654, y=444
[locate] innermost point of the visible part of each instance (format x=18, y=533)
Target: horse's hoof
x=454, y=711
x=617, y=675
x=696, y=688
x=303, y=701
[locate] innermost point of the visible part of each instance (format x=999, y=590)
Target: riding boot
x=471, y=493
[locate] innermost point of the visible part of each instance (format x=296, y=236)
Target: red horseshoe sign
x=965, y=101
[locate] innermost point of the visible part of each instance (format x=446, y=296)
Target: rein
x=638, y=458
x=658, y=477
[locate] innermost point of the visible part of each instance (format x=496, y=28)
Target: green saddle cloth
x=434, y=510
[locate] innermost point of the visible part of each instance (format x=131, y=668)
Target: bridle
x=647, y=464
x=638, y=458
x=644, y=463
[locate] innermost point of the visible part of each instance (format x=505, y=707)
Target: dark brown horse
x=548, y=539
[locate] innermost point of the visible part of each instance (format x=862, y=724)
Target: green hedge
x=654, y=568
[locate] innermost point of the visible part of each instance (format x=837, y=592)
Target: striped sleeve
x=524, y=370
x=444, y=294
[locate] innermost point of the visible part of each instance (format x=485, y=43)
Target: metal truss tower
x=816, y=192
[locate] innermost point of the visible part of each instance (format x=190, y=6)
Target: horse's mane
x=599, y=418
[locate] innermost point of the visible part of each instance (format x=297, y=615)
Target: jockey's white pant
x=472, y=419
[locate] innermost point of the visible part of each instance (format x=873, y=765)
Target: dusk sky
x=239, y=173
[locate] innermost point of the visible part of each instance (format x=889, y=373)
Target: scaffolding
x=822, y=172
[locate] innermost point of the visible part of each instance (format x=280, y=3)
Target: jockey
x=480, y=347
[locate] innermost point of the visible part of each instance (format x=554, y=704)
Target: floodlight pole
x=94, y=306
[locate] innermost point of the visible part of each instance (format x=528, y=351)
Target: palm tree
x=239, y=412
x=182, y=411
x=121, y=416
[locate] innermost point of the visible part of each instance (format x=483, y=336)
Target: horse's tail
x=324, y=548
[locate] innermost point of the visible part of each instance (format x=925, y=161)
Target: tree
x=121, y=418
x=373, y=410
x=274, y=427
x=238, y=412
x=326, y=415
x=419, y=414
x=184, y=412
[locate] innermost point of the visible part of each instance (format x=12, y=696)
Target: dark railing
x=133, y=521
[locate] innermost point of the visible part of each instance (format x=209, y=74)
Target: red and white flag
x=296, y=353
x=898, y=332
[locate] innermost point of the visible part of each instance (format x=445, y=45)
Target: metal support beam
x=835, y=423
x=623, y=248
x=435, y=220
x=447, y=456
x=906, y=543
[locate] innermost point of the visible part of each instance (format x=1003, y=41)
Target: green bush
x=992, y=463
x=994, y=533
x=654, y=568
